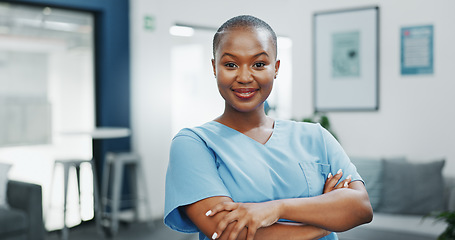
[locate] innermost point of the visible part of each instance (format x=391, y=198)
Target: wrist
x=281, y=208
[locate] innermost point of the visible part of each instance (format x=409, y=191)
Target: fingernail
x=349, y=177
x=214, y=236
x=330, y=175
x=345, y=184
x=208, y=213
x=339, y=171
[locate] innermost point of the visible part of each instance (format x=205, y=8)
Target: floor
x=373, y=234
x=158, y=231
x=134, y=231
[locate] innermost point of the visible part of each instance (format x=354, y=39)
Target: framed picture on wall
x=346, y=60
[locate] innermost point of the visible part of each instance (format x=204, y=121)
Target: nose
x=244, y=75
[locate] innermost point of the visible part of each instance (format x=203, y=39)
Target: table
x=98, y=133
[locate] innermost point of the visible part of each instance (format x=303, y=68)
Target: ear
x=214, y=67
x=277, y=67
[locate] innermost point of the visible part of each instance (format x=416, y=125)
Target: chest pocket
x=315, y=175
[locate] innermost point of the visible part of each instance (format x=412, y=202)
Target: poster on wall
x=417, y=50
x=345, y=54
x=346, y=57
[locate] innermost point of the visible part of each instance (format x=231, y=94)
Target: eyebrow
x=255, y=56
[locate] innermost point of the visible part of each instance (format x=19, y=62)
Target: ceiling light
x=181, y=31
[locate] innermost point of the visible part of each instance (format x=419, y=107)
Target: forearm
x=208, y=224
x=338, y=210
x=281, y=230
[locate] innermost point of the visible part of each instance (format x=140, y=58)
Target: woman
x=245, y=175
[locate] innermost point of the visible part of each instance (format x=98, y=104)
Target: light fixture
x=181, y=31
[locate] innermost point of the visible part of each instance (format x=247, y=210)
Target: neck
x=245, y=121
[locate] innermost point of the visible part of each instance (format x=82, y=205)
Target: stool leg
x=96, y=197
x=105, y=218
x=77, y=166
x=51, y=189
x=65, y=193
x=134, y=189
x=118, y=180
x=146, y=196
x=105, y=186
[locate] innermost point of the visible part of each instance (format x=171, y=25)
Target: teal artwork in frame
x=417, y=50
x=346, y=60
x=345, y=54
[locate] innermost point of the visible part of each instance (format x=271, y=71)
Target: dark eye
x=230, y=65
x=259, y=65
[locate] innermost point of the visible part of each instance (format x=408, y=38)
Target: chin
x=246, y=109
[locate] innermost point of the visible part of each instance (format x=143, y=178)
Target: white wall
x=415, y=111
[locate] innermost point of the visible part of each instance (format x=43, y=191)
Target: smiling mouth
x=245, y=93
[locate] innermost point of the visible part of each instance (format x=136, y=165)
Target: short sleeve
x=191, y=176
x=337, y=157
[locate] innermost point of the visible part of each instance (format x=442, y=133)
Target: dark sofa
x=23, y=219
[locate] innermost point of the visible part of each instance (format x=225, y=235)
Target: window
x=46, y=91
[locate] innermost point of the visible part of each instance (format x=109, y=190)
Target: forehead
x=246, y=39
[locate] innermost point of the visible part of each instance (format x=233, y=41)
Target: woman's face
x=245, y=66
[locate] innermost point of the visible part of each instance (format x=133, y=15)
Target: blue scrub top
x=215, y=160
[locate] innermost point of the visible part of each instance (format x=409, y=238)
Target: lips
x=245, y=93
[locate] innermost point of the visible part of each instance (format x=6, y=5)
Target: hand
x=250, y=215
x=331, y=182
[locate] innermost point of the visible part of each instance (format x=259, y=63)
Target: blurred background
x=68, y=67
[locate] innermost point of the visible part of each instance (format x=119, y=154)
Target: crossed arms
x=342, y=206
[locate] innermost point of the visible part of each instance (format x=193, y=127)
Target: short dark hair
x=243, y=21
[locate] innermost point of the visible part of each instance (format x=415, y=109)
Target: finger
x=332, y=181
x=223, y=223
x=339, y=173
x=349, y=178
x=329, y=184
x=340, y=185
x=239, y=226
x=344, y=183
x=251, y=232
x=347, y=181
x=224, y=206
x=337, y=177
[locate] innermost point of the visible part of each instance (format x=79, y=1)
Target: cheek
x=223, y=79
x=267, y=79
x=268, y=87
x=223, y=86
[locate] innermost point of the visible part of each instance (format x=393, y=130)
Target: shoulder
x=202, y=134
x=299, y=128
x=190, y=143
